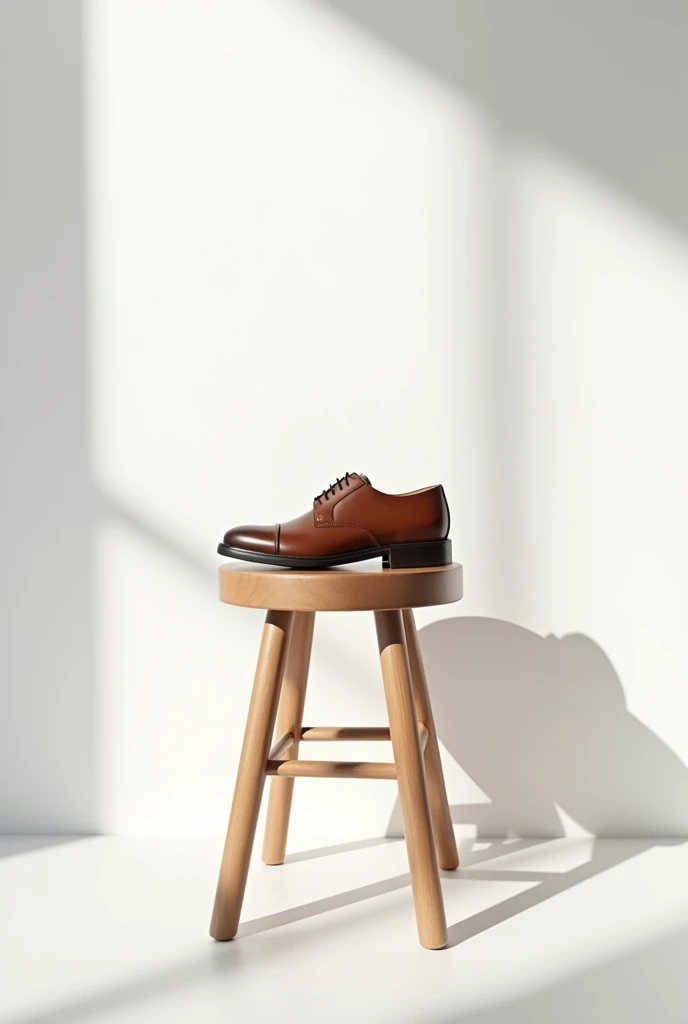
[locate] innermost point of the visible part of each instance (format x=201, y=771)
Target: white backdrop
x=328, y=236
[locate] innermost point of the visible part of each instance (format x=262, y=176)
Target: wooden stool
x=292, y=598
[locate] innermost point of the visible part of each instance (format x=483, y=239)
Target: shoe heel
x=416, y=556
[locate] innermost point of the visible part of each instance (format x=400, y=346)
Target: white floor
x=541, y=932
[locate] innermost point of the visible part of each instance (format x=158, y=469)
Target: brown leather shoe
x=349, y=522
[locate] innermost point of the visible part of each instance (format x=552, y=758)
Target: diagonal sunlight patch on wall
x=286, y=280
x=366, y=280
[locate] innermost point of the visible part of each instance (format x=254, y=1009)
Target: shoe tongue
x=364, y=477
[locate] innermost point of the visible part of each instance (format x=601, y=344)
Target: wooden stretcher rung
x=328, y=733
x=332, y=769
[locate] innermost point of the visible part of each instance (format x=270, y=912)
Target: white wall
x=397, y=239
x=274, y=209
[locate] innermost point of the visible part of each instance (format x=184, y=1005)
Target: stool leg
x=403, y=725
x=251, y=775
x=289, y=719
x=445, y=840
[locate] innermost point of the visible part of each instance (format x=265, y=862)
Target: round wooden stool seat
x=348, y=588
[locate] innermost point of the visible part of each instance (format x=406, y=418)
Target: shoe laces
x=344, y=482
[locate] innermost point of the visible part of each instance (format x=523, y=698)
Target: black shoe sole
x=395, y=556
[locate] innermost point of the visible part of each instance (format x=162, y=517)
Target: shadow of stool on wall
x=541, y=724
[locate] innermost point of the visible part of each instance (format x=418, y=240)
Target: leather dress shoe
x=351, y=521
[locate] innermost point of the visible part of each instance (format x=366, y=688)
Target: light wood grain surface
x=345, y=589
x=251, y=775
x=330, y=733
x=333, y=769
x=443, y=829
x=292, y=597
x=289, y=718
x=408, y=756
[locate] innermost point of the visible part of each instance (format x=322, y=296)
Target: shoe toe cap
x=261, y=539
